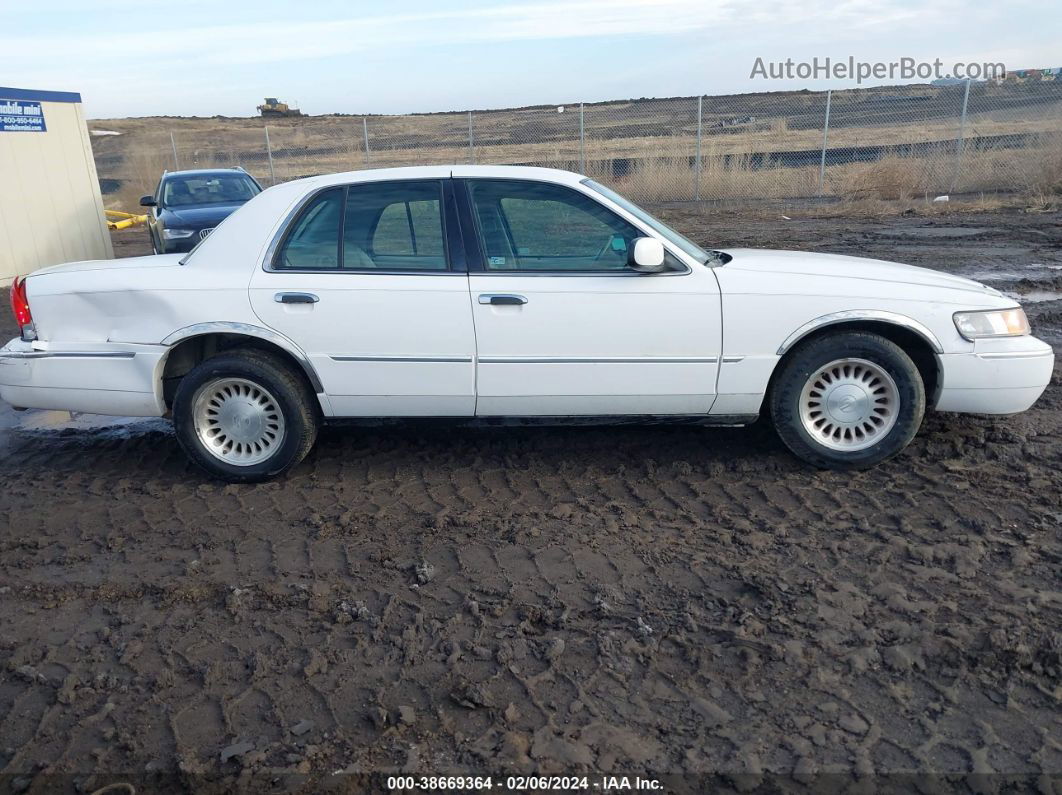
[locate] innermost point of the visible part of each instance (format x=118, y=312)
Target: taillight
x=20, y=305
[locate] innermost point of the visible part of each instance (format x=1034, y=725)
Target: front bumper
x=97, y=379
x=1000, y=376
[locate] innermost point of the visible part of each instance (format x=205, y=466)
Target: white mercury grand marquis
x=482, y=291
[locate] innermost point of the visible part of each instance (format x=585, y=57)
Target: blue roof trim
x=39, y=96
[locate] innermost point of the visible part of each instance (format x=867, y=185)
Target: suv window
x=537, y=226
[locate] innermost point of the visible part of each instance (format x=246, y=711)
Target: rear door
x=564, y=326
x=369, y=281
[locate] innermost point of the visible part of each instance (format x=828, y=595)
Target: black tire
x=808, y=360
x=293, y=397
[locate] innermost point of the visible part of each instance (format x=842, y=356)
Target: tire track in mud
x=613, y=601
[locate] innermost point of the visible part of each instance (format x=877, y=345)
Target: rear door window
x=313, y=241
x=390, y=226
x=394, y=226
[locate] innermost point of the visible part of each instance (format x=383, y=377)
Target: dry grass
x=146, y=166
x=1035, y=174
x=667, y=173
x=891, y=178
x=884, y=208
x=623, y=151
x=1041, y=178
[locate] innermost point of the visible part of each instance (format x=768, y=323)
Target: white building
x=51, y=210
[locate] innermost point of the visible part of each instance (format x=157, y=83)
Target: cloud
x=278, y=41
x=286, y=40
x=432, y=54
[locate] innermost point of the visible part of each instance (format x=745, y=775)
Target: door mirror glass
x=647, y=255
x=147, y=201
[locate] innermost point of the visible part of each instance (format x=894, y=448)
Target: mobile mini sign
x=17, y=115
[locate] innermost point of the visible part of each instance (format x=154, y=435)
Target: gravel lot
x=649, y=600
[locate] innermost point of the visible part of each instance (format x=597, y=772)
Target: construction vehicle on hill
x=274, y=108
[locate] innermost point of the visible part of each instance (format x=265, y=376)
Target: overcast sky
x=205, y=57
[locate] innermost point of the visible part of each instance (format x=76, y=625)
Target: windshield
x=683, y=242
x=208, y=189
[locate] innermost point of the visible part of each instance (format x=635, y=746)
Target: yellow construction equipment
x=120, y=220
x=273, y=108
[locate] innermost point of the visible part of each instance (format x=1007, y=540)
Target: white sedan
x=480, y=291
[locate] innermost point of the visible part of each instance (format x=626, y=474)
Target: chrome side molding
x=385, y=358
x=598, y=360
x=249, y=330
x=849, y=315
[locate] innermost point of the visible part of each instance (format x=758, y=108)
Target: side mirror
x=148, y=201
x=647, y=255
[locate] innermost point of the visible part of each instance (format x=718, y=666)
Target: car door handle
x=502, y=300
x=296, y=298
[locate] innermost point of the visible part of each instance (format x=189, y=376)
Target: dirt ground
x=656, y=601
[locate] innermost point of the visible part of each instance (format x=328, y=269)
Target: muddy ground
x=654, y=601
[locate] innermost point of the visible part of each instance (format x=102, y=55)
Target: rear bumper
x=111, y=379
x=1003, y=376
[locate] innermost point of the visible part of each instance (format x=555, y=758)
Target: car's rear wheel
x=244, y=416
x=847, y=400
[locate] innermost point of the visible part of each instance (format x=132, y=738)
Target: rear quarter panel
x=147, y=299
x=133, y=305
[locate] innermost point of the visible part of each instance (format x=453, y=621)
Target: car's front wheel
x=244, y=416
x=847, y=400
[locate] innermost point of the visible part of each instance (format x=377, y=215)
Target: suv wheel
x=848, y=400
x=244, y=416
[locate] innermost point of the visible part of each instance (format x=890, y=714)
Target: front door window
x=537, y=226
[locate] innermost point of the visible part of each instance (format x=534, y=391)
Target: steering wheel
x=607, y=248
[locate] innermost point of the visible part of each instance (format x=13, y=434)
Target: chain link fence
x=901, y=142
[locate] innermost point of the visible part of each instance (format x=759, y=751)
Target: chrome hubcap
x=849, y=405
x=237, y=421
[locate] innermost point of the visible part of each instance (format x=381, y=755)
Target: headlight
x=995, y=323
x=177, y=234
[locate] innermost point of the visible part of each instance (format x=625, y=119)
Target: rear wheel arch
x=194, y=345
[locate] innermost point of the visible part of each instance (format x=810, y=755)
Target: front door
x=362, y=281
x=564, y=326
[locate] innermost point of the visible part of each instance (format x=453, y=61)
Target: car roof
x=441, y=172
x=203, y=172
